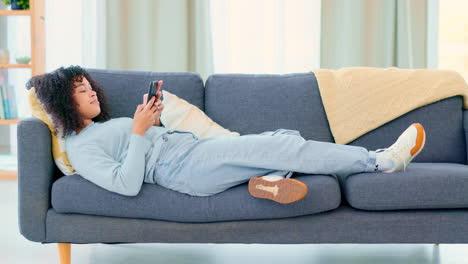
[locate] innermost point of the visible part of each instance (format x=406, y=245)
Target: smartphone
x=152, y=90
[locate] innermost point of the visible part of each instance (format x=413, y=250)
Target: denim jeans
x=204, y=167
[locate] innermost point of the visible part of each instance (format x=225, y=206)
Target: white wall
x=64, y=41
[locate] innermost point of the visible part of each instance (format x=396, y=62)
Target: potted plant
x=17, y=4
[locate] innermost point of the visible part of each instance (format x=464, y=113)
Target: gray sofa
x=427, y=203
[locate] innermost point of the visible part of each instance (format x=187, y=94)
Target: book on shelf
x=12, y=102
x=2, y=109
x=8, y=106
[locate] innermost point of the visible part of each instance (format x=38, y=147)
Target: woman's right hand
x=144, y=117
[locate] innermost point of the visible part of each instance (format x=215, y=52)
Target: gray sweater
x=112, y=157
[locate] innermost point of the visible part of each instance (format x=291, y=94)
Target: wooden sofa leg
x=64, y=253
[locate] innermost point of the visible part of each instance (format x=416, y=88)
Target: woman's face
x=88, y=103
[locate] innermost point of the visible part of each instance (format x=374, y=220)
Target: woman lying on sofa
x=120, y=154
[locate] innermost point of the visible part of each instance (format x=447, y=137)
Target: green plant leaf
x=23, y=3
x=7, y=2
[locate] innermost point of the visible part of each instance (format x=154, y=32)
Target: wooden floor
x=15, y=249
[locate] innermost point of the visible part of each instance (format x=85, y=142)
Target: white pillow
x=179, y=114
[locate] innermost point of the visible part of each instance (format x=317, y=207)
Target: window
x=265, y=36
x=453, y=36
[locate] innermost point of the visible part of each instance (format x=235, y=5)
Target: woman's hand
x=144, y=117
x=159, y=104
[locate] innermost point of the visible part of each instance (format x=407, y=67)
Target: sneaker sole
x=420, y=141
x=281, y=191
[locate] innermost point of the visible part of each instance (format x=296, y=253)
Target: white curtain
x=222, y=36
x=153, y=35
x=94, y=34
x=265, y=36
x=377, y=33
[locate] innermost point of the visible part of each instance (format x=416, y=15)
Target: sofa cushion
x=74, y=194
x=420, y=186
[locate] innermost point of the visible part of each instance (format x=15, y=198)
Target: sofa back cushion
x=443, y=123
x=253, y=103
x=125, y=89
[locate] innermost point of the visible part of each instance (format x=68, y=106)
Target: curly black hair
x=55, y=91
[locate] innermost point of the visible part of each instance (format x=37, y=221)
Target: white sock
x=273, y=177
x=382, y=162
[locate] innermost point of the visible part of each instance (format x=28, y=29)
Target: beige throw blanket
x=360, y=99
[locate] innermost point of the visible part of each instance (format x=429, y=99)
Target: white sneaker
x=408, y=145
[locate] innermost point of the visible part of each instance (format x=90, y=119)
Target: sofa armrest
x=35, y=177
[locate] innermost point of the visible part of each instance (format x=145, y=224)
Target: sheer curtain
x=265, y=36
x=275, y=36
x=377, y=33
x=153, y=35
x=93, y=34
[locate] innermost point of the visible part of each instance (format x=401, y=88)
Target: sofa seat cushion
x=420, y=186
x=74, y=194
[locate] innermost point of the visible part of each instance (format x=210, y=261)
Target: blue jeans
x=204, y=167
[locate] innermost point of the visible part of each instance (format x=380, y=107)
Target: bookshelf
x=37, y=63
